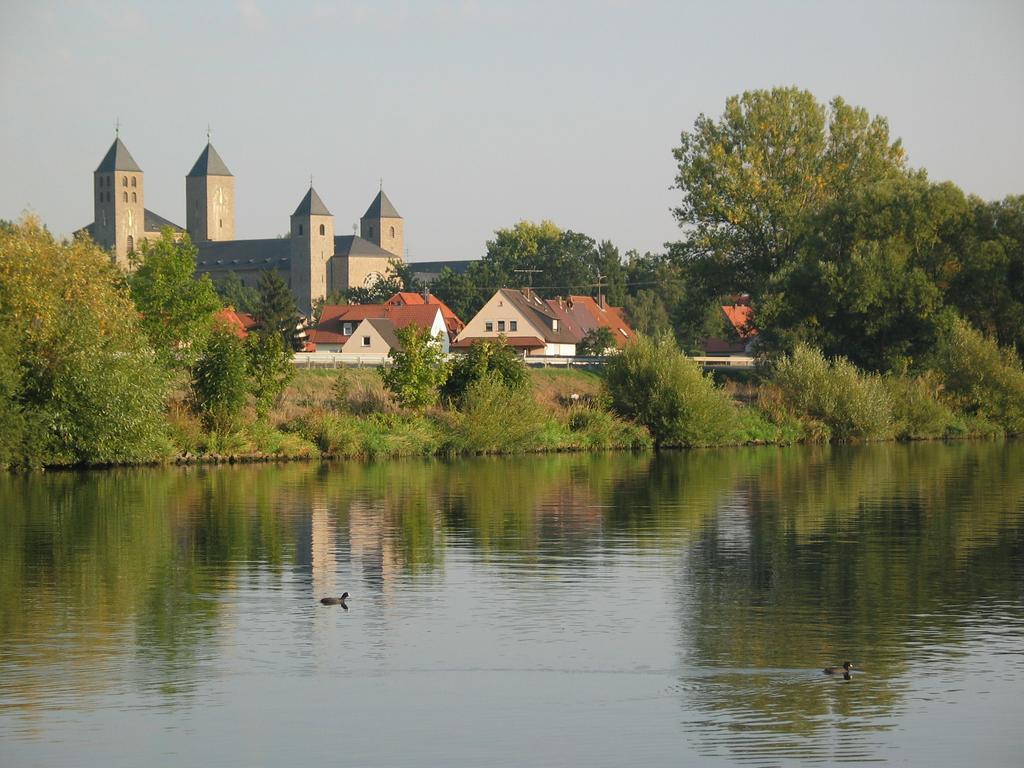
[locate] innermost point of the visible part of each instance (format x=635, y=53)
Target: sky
x=477, y=114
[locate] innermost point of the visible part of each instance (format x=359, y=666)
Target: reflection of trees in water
x=851, y=553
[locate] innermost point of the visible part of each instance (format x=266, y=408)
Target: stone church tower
x=312, y=246
x=118, y=202
x=210, y=199
x=382, y=226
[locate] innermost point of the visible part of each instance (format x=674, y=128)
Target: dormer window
x=554, y=325
x=346, y=329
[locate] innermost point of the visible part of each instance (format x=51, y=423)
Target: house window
x=346, y=329
x=322, y=229
x=513, y=325
x=501, y=325
x=366, y=341
x=489, y=327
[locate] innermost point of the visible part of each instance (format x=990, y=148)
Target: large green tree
x=177, y=308
x=277, y=310
x=753, y=179
x=417, y=369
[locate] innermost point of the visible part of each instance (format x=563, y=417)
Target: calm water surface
x=603, y=610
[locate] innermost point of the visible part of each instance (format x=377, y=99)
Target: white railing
x=338, y=360
x=356, y=360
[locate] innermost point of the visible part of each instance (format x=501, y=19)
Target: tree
x=753, y=180
x=234, y=293
x=597, y=341
x=269, y=367
x=219, y=382
x=417, y=370
x=458, y=291
x=75, y=364
x=176, y=308
x=277, y=310
x=486, y=358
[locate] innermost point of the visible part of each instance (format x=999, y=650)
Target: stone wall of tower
x=120, y=213
x=210, y=207
x=312, y=246
x=385, y=233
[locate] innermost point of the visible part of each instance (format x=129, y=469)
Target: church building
x=311, y=259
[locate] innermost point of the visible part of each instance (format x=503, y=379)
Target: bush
x=851, y=405
x=219, y=382
x=483, y=358
x=270, y=369
x=981, y=378
x=653, y=383
x=918, y=412
x=593, y=427
x=85, y=386
x=495, y=418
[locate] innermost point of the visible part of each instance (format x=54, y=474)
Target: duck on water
x=843, y=670
x=335, y=600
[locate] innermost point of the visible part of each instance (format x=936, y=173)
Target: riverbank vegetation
x=888, y=307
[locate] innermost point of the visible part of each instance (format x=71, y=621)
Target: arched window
x=124, y=181
x=134, y=199
x=322, y=230
x=392, y=232
x=133, y=181
x=131, y=244
x=126, y=197
x=220, y=223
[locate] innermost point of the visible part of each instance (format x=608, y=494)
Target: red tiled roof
x=742, y=318
x=240, y=322
x=409, y=298
x=330, y=329
x=587, y=314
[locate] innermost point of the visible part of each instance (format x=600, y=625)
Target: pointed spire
x=209, y=164
x=381, y=207
x=118, y=158
x=312, y=205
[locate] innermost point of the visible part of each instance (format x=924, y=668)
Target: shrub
x=849, y=403
x=653, y=383
x=981, y=378
x=270, y=369
x=219, y=382
x=483, y=358
x=495, y=418
x=594, y=427
x=918, y=412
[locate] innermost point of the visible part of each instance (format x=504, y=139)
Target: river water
x=597, y=610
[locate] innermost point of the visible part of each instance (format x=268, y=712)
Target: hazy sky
x=477, y=114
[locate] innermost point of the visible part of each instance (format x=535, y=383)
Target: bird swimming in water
x=335, y=600
x=843, y=670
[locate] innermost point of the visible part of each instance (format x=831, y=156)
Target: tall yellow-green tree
x=85, y=381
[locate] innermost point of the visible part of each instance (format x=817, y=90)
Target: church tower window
x=133, y=181
x=124, y=181
x=134, y=199
x=392, y=231
x=322, y=230
x=131, y=244
x=126, y=197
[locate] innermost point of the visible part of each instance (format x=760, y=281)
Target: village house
x=369, y=329
x=740, y=316
x=542, y=327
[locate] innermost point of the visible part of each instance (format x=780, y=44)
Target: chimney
x=426, y=294
x=600, y=300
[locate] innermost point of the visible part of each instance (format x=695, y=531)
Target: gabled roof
x=386, y=329
x=381, y=208
x=312, y=205
x=209, y=164
x=118, y=158
x=331, y=328
x=741, y=317
x=516, y=342
x=537, y=311
x=587, y=314
x=267, y=253
x=239, y=322
x=411, y=298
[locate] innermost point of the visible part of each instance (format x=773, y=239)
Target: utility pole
x=600, y=284
x=529, y=276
